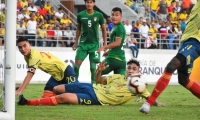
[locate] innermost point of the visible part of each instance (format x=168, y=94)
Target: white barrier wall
x=152, y=63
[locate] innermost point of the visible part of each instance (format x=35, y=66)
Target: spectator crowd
x=43, y=26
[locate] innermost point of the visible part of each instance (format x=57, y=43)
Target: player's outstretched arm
x=115, y=44
x=25, y=83
x=98, y=74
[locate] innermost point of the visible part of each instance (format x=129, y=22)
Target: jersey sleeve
x=33, y=61
x=119, y=32
x=109, y=78
x=101, y=19
x=145, y=94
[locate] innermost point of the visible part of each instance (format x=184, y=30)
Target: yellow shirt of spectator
x=115, y=92
x=2, y=18
x=129, y=3
x=25, y=3
x=65, y=21
x=27, y=12
x=147, y=3
x=174, y=15
x=51, y=12
x=153, y=31
x=168, y=2
x=154, y=4
x=47, y=7
x=46, y=25
x=42, y=33
x=2, y=31
x=138, y=26
x=55, y=21
x=36, y=17
x=183, y=16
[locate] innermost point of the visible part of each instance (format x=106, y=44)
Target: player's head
x=89, y=4
x=23, y=46
x=116, y=15
x=133, y=67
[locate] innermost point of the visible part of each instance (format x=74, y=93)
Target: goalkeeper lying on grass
x=109, y=90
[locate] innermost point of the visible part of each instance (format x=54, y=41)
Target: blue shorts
x=69, y=77
x=191, y=50
x=84, y=91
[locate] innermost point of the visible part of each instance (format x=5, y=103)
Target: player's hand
x=102, y=66
x=101, y=49
x=105, y=54
x=74, y=47
x=18, y=92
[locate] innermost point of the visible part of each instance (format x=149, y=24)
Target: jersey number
x=89, y=23
x=43, y=53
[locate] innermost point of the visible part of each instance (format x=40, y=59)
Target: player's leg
x=161, y=84
x=192, y=86
x=77, y=93
x=188, y=52
x=81, y=54
x=94, y=58
x=69, y=76
x=50, y=101
x=121, y=67
x=72, y=88
x=112, y=66
x=48, y=89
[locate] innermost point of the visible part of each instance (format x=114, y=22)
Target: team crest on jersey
x=95, y=18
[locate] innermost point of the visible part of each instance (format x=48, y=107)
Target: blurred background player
x=107, y=92
x=61, y=72
x=188, y=52
x=87, y=29
x=115, y=56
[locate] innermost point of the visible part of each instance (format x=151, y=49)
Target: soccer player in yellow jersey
x=182, y=62
x=61, y=72
x=110, y=90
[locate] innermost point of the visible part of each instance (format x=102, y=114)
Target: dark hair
x=22, y=39
x=133, y=61
x=117, y=9
x=87, y=0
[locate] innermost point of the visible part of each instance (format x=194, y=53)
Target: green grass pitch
x=180, y=105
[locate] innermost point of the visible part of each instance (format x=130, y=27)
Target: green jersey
x=90, y=26
x=118, y=31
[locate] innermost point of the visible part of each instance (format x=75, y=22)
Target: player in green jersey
x=88, y=28
x=116, y=55
x=109, y=90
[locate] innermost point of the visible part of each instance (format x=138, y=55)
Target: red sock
x=48, y=94
x=160, y=86
x=50, y=101
x=194, y=88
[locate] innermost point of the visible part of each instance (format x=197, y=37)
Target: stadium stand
x=49, y=21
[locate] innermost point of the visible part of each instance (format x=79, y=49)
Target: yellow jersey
x=116, y=91
x=192, y=29
x=47, y=63
x=183, y=16
x=65, y=21
x=47, y=7
x=154, y=4
x=129, y=3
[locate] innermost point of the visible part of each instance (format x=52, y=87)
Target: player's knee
x=175, y=63
x=59, y=89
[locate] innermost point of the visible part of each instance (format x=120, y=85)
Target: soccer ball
x=136, y=84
